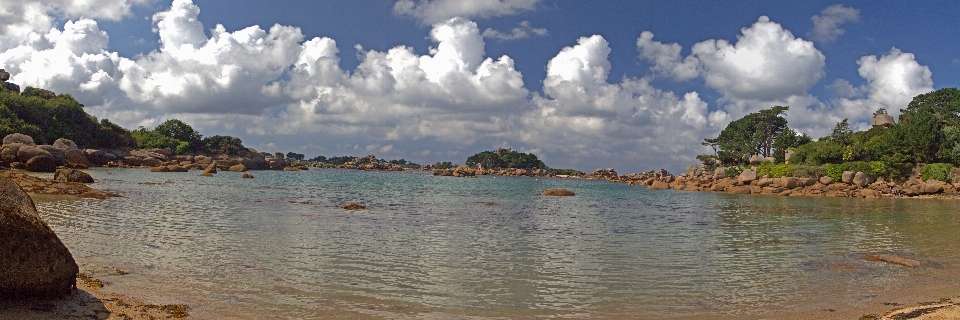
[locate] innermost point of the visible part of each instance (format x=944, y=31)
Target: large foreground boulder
x=33, y=261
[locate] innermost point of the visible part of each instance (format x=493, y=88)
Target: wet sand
x=95, y=299
x=90, y=301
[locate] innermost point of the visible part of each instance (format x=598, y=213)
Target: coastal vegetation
x=501, y=159
x=927, y=136
x=47, y=117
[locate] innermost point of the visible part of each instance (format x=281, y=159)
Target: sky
x=630, y=85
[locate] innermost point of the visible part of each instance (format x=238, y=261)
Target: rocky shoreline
x=851, y=184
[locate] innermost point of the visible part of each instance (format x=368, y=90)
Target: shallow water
x=442, y=247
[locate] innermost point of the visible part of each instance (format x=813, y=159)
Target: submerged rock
x=353, y=206
x=560, y=192
x=35, y=262
x=889, y=258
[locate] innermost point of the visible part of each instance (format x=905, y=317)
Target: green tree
x=505, y=158
x=223, y=145
x=752, y=134
x=841, y=132
x=295, y=156
x=179, y=130
x=151, y=139
x=785, y=140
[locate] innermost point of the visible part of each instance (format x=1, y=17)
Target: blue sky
x=633, y=85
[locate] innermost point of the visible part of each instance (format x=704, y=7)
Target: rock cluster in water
x=851, y=184
x=367, y=163
x=467, y=172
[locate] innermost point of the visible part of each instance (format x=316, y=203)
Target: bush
x=774, y=170
x=53, y=117
x=151, y=139
x=939, y=171
x=818, y=153
x=874, y=169
x=223, y=145
x=569, y=172
x=732, y=171
x=805, y=171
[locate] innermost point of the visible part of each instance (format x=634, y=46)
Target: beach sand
x=92, y=300
x=89, y=301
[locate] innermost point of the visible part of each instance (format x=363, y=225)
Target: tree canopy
x=505, y=158
x=47, y=117
x=755, y=133
x=928, y=131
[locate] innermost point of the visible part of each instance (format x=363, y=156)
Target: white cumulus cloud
x=229, y=72
x=666, y=59
x=436, y=11
x=766, y=66
x=73, y=60
x=631, y=124
x=453, y=93
x=892, y=81
x=826, y=26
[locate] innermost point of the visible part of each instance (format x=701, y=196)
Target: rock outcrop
x=37, y=185
x=34, y=262
x=72, y=175
x=747, y=176
x=882, y=120
x=462, y=171
x=41, y=164
x=18, y=138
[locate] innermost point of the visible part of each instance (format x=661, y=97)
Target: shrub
x=818, y=153
x=151, y=139
x=939, y=171
x=805, y=171
x=834, y=171
x=732, y=171
x=873, y=169
x=223, y=145
x=774, y=170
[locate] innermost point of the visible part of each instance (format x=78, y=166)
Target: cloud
x=666, y=58
x=586, y=119
x=826, y=26
x=436, y=11
x=454, y=93
x=229, y=72
x=766, y=66
x=767, y=63
x=522, y=31
x=843, y=88
x=73, y=61
x=892, y=81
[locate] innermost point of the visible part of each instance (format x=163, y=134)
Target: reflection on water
x=446, y=246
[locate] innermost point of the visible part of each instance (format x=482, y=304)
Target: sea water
x=278, y=246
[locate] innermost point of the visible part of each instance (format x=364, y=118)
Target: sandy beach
x=93, y=300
